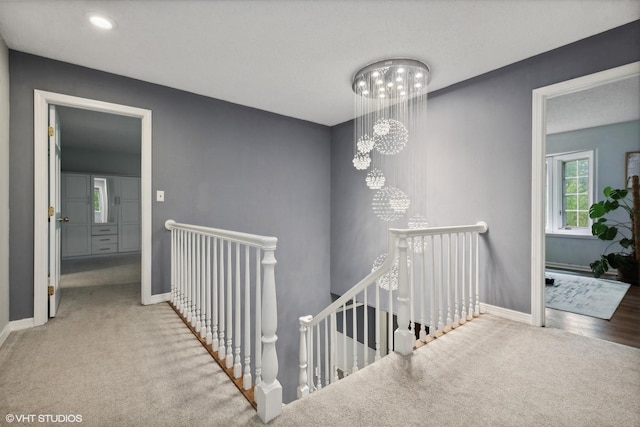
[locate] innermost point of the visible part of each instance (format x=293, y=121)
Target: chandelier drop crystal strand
x=416, y=222
x=390, y=97
x=388, y=281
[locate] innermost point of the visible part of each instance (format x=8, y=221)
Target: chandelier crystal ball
x=390, y=203
x=361, y=161
x=365, y=144
x=390, y=136
x=375, y=179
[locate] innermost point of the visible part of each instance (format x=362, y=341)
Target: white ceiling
x=610, y=103
x=296, y=57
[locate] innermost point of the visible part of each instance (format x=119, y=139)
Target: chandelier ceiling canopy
x=392, y=79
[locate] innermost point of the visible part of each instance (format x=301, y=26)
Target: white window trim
x=554, y=217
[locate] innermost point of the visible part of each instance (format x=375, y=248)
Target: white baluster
x=269, y=393
x=203, y=288
x=354, y=328
x=221, y=314
x=344, y=341
x=366, y=329
x=402, y=337
x=377, y=356
x=246, y=379
x=208, y=289
x=190, y=305
x=229, y=306
x=181, y=251
x=198, y=283
x=310, y=374
x=390, y=316
x=432, y=290
x=214, y=297
x=440, y=329
x=172, y=296
x=410, y=266
x=448, y=284
x=318, y=360
x=334, y=344
x=303, y=386
x=470, y=313
x=463, y=284
x=476, y=312
x=258, y=361
x=237, y=365
x=423, y=284
x=327, y=374
x=456, y=312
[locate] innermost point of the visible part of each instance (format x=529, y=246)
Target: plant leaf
x=607, y=191
x=597, y=210
x=610, y=234
x=625, y=243
x=599, y=267
x=619, y=194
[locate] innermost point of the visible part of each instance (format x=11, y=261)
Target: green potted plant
x=626, y=261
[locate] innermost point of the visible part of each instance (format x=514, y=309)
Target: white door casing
x=538, y=180
x=42, y=100
x=55, y=220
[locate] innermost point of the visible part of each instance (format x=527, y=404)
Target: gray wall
x=220, y=165
x=477, y=159
x=610, y=142
x=4, y=185
x=94, y=161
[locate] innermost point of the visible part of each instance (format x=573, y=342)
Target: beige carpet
x=489, y=372
x=116, y=363
x=101, y=270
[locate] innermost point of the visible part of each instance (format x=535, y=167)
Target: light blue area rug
x=584, y=295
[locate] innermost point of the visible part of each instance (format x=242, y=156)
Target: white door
x=55, y=220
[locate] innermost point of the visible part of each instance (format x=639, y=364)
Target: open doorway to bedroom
x=100, y=188
x=591, y=126
x=44, y=282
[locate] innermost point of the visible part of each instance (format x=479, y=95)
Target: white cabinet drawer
x=98, y=230
x=102, y=240
x=107, y=248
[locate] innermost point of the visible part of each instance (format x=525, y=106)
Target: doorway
x=539, y=175
x=42, y=100
x=100, y=198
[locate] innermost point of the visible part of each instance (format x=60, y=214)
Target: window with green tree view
x=569, y=192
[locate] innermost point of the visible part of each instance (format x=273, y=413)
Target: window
x=569, y=193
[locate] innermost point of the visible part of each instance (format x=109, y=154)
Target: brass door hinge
x=51, y=290
x=51, y=211
x=50, y=130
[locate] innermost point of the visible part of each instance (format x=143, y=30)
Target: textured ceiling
x=296, y=57
x=603, y=105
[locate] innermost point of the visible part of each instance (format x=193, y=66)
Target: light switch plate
x=160, y=196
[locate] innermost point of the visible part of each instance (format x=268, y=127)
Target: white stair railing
x=213, y=275
x=429, y=278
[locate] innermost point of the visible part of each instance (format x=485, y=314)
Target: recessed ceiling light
x=101, y=21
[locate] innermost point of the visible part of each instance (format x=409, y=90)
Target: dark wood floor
x=623, y=328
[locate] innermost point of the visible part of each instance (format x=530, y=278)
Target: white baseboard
x=5, y=333
x=580, y=268
x=158, y=298
x=18, y=325
x=506, y=313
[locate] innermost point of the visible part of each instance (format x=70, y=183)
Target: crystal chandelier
x=389, y=96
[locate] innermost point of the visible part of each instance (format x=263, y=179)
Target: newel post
x=402, y=337
x=268, y=393
x=303, y=383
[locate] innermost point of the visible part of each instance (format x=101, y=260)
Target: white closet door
x=76, y=234
x=129, y=220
